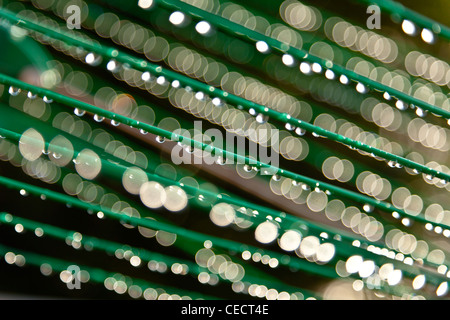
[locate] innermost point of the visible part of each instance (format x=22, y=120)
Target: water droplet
x=23, y=192
x=160, y=139
x=247, y=168
x=176, y=84
x=368, y=208
x=14, y=91
x=300, y=131
x=115, y=123
x=398, y=165
x=90, y=58
x=47, y=100
x=57, y=155
x=30, y=95
x=276, y=177
x=79, y=112
x=387, y=96
x=400, y=105
x=415, y=171
x=200, y=96
x=289, y=127
x=98, y=118
x=220, y=160
x=420, y=112
x=260, y=118
x=315, y=135
x=142, y=131
x=161, y=80
x=429, y=177
x=391, y=164
x=43, y=197
x=252, y=112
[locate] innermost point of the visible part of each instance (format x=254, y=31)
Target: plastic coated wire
x=145, y=255
x=342, y=249
x=254, y=36
x=95, y=274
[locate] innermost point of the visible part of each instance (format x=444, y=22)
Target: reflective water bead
x=299, y=131
x=47, y=100
x=98, y=118
x=79, y=112
x=30, y=95
x=260, y=118
x=14, y=91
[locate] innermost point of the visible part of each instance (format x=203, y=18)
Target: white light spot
x=288, y=60
x=427, y=36
x=317, y=68
x=176, y=199
x=145, y=4
x=88, y=164
x=418, y=282
x=343, y=79
x=222, y=214
x=305, y=68
x=203, y=27
x=152, y=194
x=266, y=232
x=408, y=27
x=353, y=264
x=290, y=240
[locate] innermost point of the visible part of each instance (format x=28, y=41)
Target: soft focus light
x=305, y=67
x=176, y=199
x=408, y=27
x=88, y=164
x=266, y=232
x=222, y=214
x=31, y=144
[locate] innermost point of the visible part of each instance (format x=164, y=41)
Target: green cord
x=144, y=254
